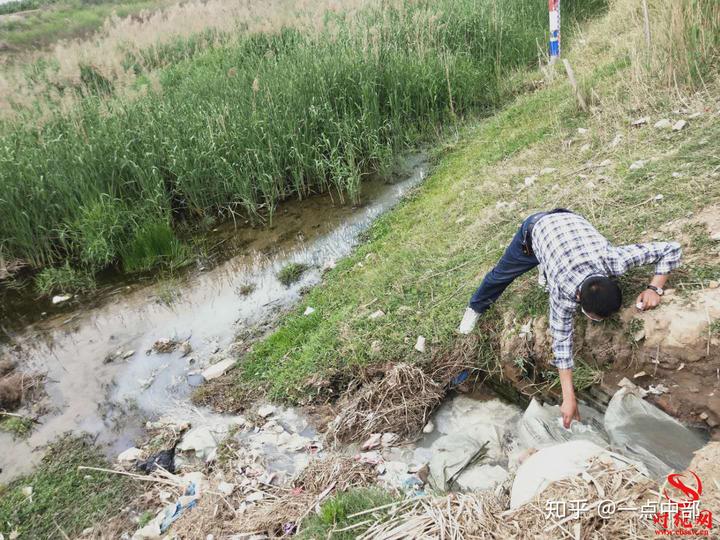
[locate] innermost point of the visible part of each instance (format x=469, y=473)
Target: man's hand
x=569, y=411
x=648, y=299
x=569, y=408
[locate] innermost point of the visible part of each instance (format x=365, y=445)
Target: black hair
x=601, y=296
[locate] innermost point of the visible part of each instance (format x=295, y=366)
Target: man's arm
x=561, y=329
x=666, y=257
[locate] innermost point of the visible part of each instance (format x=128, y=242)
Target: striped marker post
x=554, y=8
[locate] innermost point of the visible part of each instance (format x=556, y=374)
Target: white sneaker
x=468, y=321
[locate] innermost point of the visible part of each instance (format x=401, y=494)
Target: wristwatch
x=656, y=289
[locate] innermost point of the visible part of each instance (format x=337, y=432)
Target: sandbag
x=541, y=425
x=643, y=432
x=453, y=453
x=560, y=461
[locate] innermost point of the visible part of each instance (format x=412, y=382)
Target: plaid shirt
x=570, y=250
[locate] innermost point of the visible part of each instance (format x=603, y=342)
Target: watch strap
x=656, y=289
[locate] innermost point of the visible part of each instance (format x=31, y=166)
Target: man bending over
x=576, y=263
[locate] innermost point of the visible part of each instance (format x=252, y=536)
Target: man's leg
x=512, y=264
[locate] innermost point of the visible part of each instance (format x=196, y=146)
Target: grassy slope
x=66, y=20
x=421, y=262
x=64, y=500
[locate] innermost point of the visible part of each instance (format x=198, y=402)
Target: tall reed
x=241, y=126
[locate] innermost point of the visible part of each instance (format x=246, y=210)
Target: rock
x=585, y=147
x=605, y=163
x=715, y=236
x=420, y=344
x=130, y=456
x=582, y=131
x=616, y=141
x=659, y=197
x=226, y=488
x=704, y=416
x=218, y=370
x=295, y=442
x=658, y=390
x=429, y=427
x=663, y=124
x=377, y=314
x=639, y=335
x=640, y=121
x=26, y=491
x=639, y=374
x=547, y=170
x=714, y=284
x=679, y=125
x=169, y=423
x=185, y=348
x=637, y=165
x=266, y=410
x=61, y=298
x=328, y=265
x=677, y=175
x=530, y=180
x=201, y=442
x=309, y=311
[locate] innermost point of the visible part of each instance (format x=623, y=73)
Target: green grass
x=291, y=273
x=335, y=511
x=63, y=279
x=430, y=253
x=240, y=127
x=63, y=19
x=63, y=498
x=19, y=427
x=24, y=5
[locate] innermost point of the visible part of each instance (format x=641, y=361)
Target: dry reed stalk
x=281, y=509
x=401, y=403
x=483, y=515
x=121, y=38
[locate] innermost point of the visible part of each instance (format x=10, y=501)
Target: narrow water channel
x=111, y=400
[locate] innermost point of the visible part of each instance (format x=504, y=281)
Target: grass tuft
x=64, y=279
x=57, y=489
x=291, y=273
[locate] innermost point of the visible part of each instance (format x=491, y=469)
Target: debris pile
x=270, y=509
x=485, y=515
x=400, y=402
x=15, y=386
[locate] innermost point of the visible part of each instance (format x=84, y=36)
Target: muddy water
x=112, y=399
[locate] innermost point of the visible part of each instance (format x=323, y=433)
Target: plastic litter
x=164, y=459
x=174, y=511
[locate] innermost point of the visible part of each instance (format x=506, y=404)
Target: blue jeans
x=514, y=262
